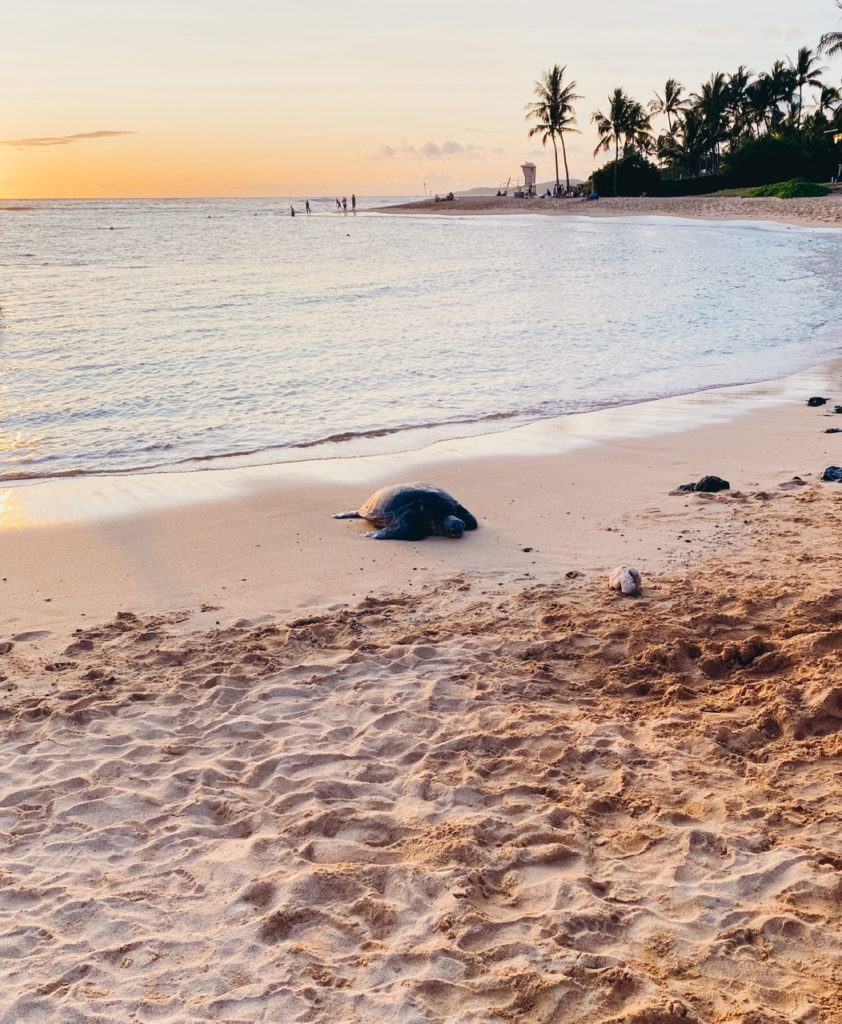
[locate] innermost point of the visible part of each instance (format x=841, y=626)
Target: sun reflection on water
x=13, y=513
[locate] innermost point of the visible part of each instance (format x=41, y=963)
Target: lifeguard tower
x=530, y=172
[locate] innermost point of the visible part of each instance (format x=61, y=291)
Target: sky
x=159, y=98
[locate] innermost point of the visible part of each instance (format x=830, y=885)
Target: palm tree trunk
x=555, y=150
x=566, y=171
x=616, y=160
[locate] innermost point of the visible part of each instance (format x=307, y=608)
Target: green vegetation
x=553, y=113
x=766, y=159
x=831, y=42
x=792, y=189
x=739, y=129
x=631, y=175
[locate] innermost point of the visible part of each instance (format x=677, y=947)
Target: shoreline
x=824, y=211
x=388, y=442
x=85, y=547
x=33, y=501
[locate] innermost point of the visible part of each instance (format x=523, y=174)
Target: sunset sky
x=210, y=98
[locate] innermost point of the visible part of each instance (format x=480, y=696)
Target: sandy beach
x=258, y=767
x=825, y=211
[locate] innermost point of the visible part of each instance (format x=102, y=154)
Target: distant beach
x=813, y=212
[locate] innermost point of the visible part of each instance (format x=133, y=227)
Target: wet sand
x=258, y=767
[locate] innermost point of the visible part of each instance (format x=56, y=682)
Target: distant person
x=345, y=204
x=307, y=206
x=292, y=211
x=338, y=205
x=353, y=201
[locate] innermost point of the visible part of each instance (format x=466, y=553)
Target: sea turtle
x=412, y=512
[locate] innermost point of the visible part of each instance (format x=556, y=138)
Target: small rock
x=833, y=430
x=833, y=473
x=712, y=483
x=837, y=408
x=816, y=400
x=624, y=579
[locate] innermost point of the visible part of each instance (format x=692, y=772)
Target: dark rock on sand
x=815, y=400
x=707, y=483
x=833, y=473
x=833, y=430
x=837, y=408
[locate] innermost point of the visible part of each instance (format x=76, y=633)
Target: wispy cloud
x=434, y=151
x=492, y=131
x=61, y=140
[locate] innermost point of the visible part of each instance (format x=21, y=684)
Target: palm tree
x=626, y=120
x=761, y=99
x=690, y=142
x=782, y=83
x=738, y=104
x=712, y=104
x=829, y=99
x=806, y=73
x=554, y=114
x=670, y=103
x=831, y=42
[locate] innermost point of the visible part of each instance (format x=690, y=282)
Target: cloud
x=61, y=140
x=766, y=32
x=435, y=151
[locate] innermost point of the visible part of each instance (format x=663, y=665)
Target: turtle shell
x=382, y=506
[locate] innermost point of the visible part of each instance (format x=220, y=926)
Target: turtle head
x=452, y=526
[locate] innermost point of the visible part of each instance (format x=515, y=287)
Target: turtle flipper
x=347, y=515
x=462, y=513
x=401, y=528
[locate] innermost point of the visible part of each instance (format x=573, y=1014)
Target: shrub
x=634, y=175
x=692, y=186
x=764, y=160
x=792, y=189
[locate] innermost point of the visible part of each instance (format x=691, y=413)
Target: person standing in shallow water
x=292, y=211
x=353, y=202
x=307, y=206
x=345, y=204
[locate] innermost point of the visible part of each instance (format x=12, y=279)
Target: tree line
x=757, y=122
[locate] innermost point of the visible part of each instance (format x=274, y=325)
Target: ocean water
x=141, y=335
